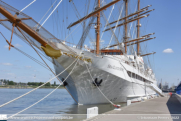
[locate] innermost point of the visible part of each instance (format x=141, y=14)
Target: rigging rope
x=116, y=25
x=37, y=61
x=79, y=16
x=27, y=6
x=75, y=28
x=43, y=59
x=131, y=48
x=47, y=12
x=50, y=14
x=111, y=32
x=46, y=95
x=107, y=21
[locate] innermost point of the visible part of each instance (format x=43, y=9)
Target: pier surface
x=157, y=109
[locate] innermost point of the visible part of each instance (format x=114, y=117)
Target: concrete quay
x=155, y=109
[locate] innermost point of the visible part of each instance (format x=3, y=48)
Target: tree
x=36, y=84
x=47, y=84
x=8, y=82
x=5, y=82
x=41, y=83
x=54, y=83
x=11, y=83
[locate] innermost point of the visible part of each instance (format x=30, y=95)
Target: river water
x=59, y=102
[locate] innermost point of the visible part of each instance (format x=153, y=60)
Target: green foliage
x=47, y=84
x=33, y=83
x=40, y=83
x=10, y=83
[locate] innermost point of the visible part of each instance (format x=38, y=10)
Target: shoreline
x=28, y=87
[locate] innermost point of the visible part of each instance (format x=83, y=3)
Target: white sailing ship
x=101, y=72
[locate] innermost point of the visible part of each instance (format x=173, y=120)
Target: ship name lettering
x=114, y=67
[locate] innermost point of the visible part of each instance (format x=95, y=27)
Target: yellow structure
x=49, y=51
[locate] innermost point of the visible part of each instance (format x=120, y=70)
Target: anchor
x=96, y=83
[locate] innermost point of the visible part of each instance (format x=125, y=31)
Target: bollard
x=92, y=112
x=117, y=107
x=128, y=102
x=143, y=99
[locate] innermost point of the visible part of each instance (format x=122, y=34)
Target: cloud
x=6, y=46
x=16, y=45
x=11, y=74
x=7, y=64
x=28, y=66
x=5, y=71
x=169, y=50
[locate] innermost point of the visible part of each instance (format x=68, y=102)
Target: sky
x=164, y=21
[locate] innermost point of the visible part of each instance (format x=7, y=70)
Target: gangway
x=156, y=89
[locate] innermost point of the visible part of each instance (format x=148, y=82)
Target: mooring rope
x=37, y=87
x=98, y=87
x=46, y=95
x=43, y=59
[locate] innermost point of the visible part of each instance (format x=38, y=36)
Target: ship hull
x=116, y=85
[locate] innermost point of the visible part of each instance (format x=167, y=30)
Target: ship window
x=141, y=78
x=129, y=73
x=133, y=75
x=136, y=76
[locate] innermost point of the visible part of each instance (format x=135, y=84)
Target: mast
x=98, y=29
x=126, y=26
x=138, y=29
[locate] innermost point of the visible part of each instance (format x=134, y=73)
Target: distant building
x=178, y=89
x=160, y=86
x=1, y=83
x=165, y=87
